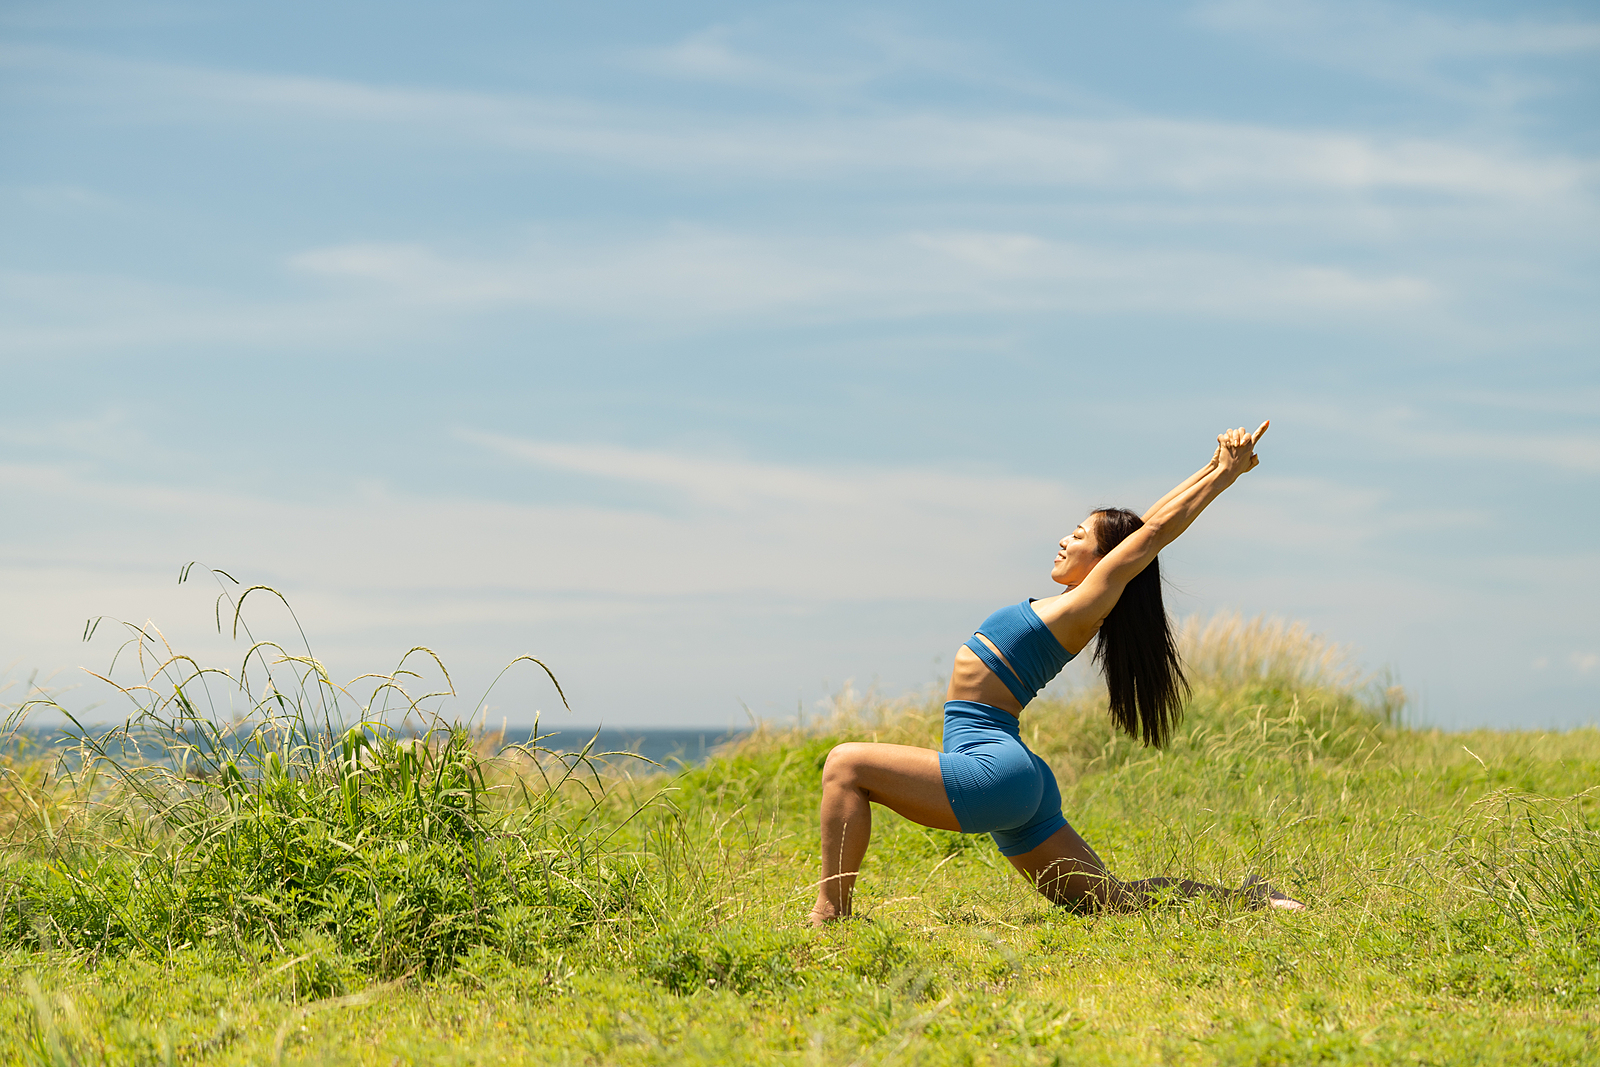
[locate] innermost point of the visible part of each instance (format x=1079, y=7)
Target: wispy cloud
x=698, y=272
x=1446, y=54
x=63, y=313
x=378, y=291
x=820, y=61
x=743, y=485
x=1411, y=433
x=712, y=55
x=79, y=15
x=1573, y=400
x=734, y=526
x=918, y=145
x=62, y=198
x=1577, y=452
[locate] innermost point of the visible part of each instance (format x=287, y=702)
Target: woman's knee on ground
x=1077, y=884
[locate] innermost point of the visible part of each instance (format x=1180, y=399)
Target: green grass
x=296, y=887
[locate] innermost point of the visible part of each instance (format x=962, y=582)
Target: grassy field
x=282, y=889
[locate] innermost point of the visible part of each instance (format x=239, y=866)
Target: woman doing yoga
x=986, y=780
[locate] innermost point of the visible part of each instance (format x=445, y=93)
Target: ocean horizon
x=668, y=747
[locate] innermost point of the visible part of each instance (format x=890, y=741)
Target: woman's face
x=1077, y=556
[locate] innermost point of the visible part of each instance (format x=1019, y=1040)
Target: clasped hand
x=1236, y=449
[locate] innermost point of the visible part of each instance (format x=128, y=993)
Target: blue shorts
x=995, y=784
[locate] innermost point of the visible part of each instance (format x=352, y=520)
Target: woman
x=986, y=779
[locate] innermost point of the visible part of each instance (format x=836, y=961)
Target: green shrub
x=740, y=960
x=286, y=826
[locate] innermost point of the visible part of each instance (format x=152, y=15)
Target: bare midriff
x=971, y=680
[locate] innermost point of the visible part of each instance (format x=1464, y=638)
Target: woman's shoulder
x=1049, y=609
x=1063, y=614
x=1043, y=604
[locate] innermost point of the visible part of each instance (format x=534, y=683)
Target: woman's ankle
x=826, y=911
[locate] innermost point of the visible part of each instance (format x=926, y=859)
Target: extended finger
x=1260, y=430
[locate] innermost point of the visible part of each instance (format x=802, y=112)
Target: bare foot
x=1259, y=888
x=827, y=917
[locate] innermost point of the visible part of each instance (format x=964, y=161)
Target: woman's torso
x=972, y=679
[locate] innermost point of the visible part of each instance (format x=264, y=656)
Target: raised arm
x=1186, y=483
x=1081, y=610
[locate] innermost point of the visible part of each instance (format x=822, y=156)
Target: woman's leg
x=1067, y=871
x=856, y=776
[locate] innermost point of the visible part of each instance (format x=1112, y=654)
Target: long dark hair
x=1135, y=647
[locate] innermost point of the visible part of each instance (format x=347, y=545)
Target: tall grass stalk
x=1536, y=860
x=269, y=809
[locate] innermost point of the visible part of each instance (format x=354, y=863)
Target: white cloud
x=922, y=146
x=711, y=55
x=1579, y=452
x=61, y=198
x=1574, y=400
x=828, y=62
x=1316, y=526
x=743, y=554
x=373, y=291
x=1389, y=30
x=96, y=313
x=1413, y=433
x=1409, y=44
x=744, y=486
x=378, y=293
x=86, y=15
x=696, y=272
x=735, y=527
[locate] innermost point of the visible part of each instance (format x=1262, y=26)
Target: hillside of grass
x=298, y=883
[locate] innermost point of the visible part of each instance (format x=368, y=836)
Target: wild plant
x=1536, y=861
x=269, y=809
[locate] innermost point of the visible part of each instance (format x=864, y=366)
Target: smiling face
x=1078, y=555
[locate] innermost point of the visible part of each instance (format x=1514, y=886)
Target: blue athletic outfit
x=995, y=784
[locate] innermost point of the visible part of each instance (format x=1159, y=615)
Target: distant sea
x=663, y=746
x=666, y=747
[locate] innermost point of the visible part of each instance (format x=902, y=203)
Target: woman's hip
x=993, y=781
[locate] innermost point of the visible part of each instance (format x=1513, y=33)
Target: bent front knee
x=842, y=768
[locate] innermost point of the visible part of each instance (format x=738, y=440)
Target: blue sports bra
x=1027, y=643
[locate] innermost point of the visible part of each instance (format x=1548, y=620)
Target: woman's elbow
x=1155, y=535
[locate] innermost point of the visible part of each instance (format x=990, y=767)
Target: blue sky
x=720, y=354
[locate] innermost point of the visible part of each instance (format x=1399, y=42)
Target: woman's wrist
x=1217, y=479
